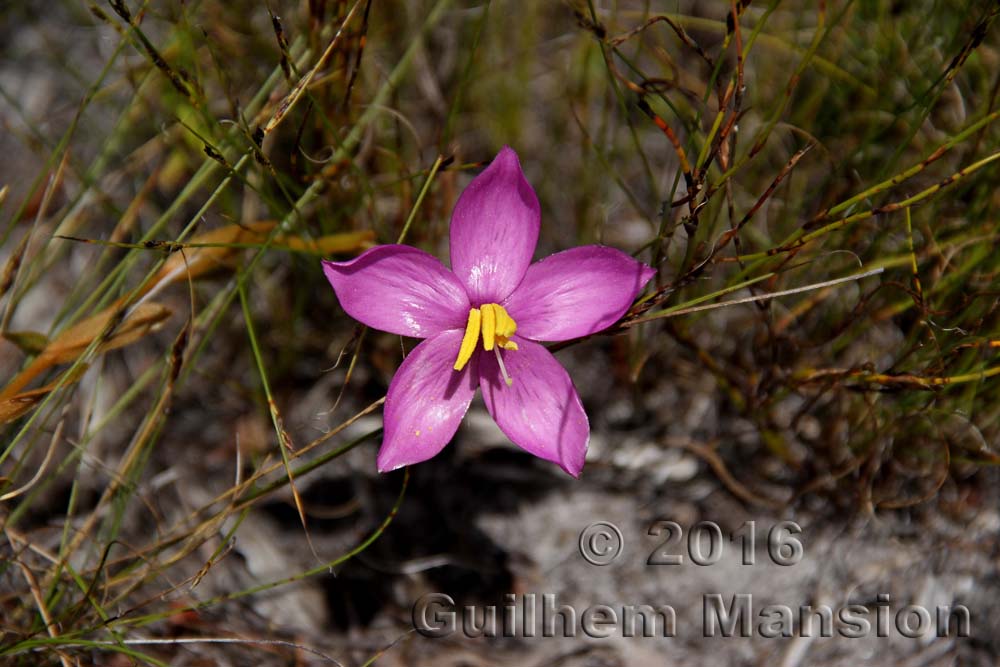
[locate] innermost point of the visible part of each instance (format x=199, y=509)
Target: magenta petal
x=426, y=402
x=399, y=289
x=541, y=411
x=494, y=230
x=576, y=292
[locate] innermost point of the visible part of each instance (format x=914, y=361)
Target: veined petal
x=399, y=289
x=426, y=402
x=494, y=230
x=541, y=411
x=576, y=292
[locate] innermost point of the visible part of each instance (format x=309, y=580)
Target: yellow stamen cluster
x=496, y=326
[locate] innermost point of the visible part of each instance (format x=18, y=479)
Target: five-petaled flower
x=482, y=321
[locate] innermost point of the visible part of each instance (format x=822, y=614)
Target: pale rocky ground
x=485, y=521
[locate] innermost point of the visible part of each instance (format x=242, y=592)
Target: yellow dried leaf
x=143, y=320
x=13, y=407
x=332, y=244
x=195, y=262
x=70, y=344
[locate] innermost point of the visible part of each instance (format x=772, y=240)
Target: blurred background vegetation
x=173, y=364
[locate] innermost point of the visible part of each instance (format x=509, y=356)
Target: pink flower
x=482, y=321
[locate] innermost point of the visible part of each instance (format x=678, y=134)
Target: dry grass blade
x=708, y=454
x=674, y=141
x=218, y=249
x=332, y=244
x=142, y=321
x=676, y=27
x=50, y=625
x=303, y=83
x=13, y=407
x=794, y=160
x=53, y=443
x=12, y=265
x=16, y=261
x=897, y=380
x=222, y=248
x=112, y=328
x=687, y=310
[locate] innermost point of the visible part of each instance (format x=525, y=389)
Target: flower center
x=496, y=325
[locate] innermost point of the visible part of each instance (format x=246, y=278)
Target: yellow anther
x=469, y=340
x=496, y=326
x=506, y=326
x=490, y=324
